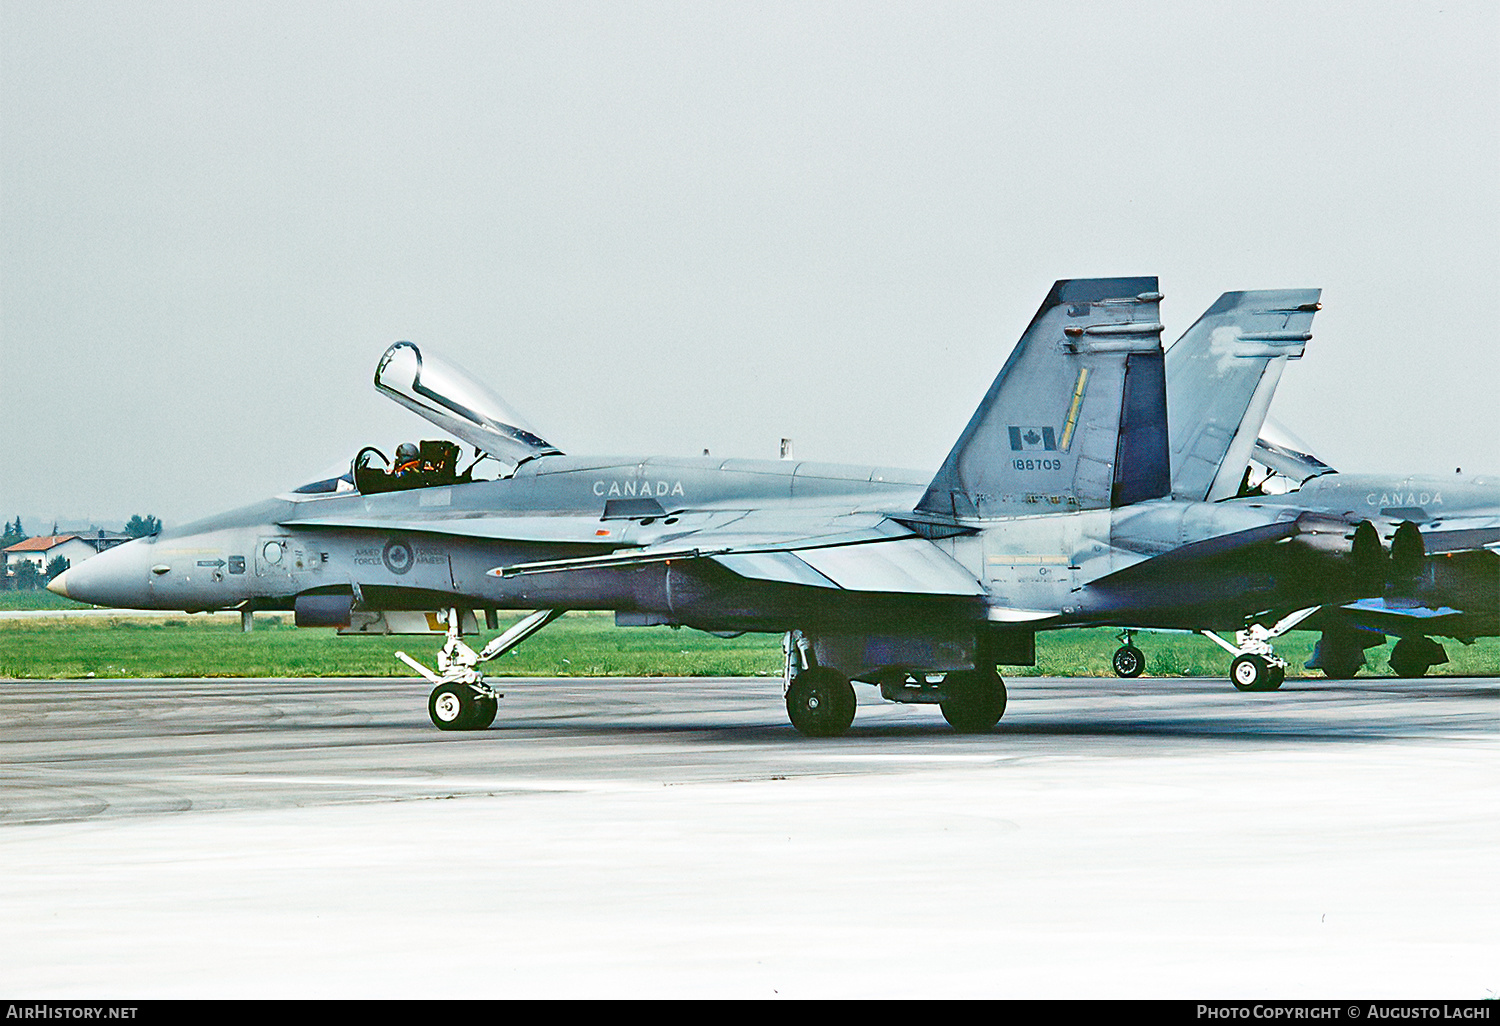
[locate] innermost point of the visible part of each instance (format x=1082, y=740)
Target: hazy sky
x=663, y=227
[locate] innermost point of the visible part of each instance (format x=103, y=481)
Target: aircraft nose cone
x=117, y=577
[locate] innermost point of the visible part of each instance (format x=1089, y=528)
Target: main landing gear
x=974, y=701
x=462, y=700
x=1256, y=666
x=820, y=700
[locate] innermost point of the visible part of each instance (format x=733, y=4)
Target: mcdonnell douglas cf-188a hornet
x=1442, y=580
x=1052, y=510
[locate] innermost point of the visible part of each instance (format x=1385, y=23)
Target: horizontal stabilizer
x=1461, y=534
x=1276, y=450
x=1077, y=417
x=1398, y=611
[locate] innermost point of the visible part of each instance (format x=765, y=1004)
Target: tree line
x=25, y=575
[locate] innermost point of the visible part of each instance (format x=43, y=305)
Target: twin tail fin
x=1076, y=419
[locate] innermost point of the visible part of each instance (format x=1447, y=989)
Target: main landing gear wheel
x=820, y=702
x=975, y=702
x=1254, y=673
x=1129, y=661
x=460, y=707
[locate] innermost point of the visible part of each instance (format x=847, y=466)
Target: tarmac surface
x=670, y=837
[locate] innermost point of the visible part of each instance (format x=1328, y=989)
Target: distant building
x=105, y=539
x=43, y=550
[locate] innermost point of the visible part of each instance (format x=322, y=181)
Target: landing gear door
x=452, y=399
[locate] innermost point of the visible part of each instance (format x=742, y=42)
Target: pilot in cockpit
x=408, y=460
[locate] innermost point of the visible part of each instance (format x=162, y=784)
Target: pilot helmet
x=406, y=451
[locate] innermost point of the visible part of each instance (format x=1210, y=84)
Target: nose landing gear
x=462, y=700
x=1256, y=666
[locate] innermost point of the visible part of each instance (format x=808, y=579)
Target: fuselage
x=432, y=547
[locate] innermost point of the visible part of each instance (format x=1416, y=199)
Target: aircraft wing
x=874, y=560
x=1461, y=534
x=1164, y=568
x=849, y=551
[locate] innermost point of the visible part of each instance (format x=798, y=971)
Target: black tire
x=1274, y=678
x=1408, y=659
x=976, y=700
x=485, y=708
x=1249, y=673
x=458, y=707
x=1129, y=661
x=820, y=702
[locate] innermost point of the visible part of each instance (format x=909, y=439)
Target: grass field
x=35, y=600
x=578, y=645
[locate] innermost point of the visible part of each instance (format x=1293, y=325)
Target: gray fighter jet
x=1053, y=509
x=1221, y=376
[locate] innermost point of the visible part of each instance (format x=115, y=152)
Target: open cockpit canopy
x=455, y=401
x=1284, y=459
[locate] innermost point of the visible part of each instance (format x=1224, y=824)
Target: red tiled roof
x=42, y=544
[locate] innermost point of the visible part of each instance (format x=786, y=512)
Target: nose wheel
x=1254, y=673
x=462, y=707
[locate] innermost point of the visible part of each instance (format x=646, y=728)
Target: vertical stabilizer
x=1077, y=418
x=1221, y=376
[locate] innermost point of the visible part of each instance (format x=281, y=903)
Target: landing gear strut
x=462, y=700
x=820, y=700
x=1256, y=666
